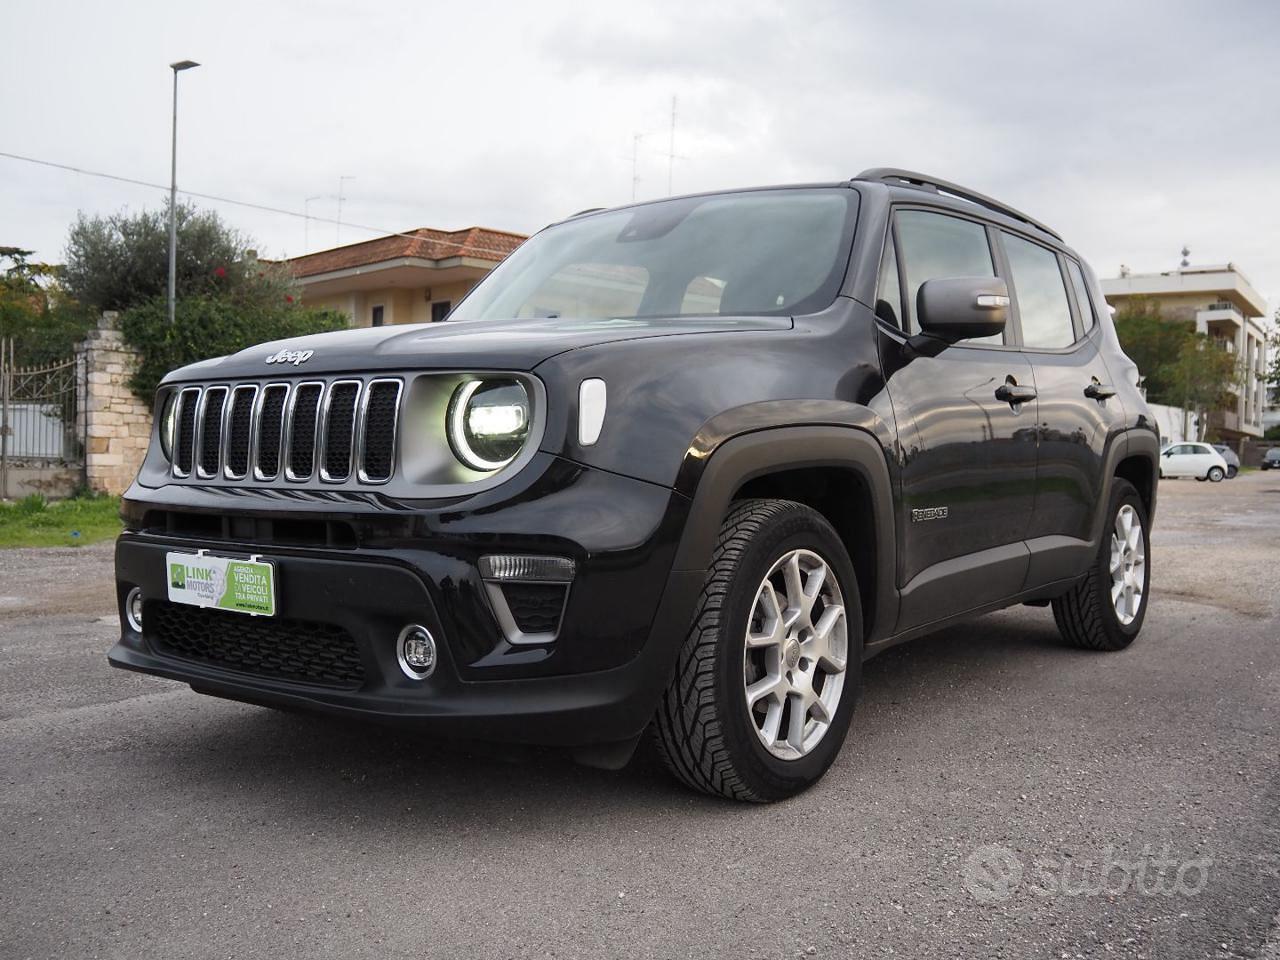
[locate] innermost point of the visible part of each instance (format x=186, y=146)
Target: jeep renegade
x=677, y=467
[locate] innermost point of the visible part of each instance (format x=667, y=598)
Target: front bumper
x=598, y=682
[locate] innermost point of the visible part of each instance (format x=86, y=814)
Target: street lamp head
x=183, y=65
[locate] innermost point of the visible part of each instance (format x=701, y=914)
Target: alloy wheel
x=797, y=647
x=1128, y=564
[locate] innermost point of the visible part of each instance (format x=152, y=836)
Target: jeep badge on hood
x=291, y=356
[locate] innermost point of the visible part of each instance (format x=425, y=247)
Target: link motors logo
x=291, y=356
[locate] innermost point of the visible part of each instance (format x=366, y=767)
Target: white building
x=1223, y=304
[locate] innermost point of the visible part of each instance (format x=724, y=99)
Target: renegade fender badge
x=291, y=356
x=928, y=513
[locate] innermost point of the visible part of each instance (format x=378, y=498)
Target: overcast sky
x=1131, y=128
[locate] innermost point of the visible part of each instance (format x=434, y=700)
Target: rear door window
x=936, y=245
x=1041, y=294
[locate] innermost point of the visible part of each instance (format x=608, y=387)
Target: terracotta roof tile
x=426, y=243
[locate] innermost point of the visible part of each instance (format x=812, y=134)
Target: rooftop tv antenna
x=635, y=162
x=671, y=145
x=342, y=197
x=306, y=223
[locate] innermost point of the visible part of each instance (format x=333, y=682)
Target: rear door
x=1079, y=411
x=967, y=458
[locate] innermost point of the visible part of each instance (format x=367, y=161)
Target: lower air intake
x=320, y=653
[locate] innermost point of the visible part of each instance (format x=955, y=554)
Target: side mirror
x=960, y=308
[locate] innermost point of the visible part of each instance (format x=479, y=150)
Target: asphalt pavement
x=1000, y=795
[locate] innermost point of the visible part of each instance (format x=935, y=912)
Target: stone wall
x=116, y=424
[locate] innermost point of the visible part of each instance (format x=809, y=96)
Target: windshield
x=761, y=252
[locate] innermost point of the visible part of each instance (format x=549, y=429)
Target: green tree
x=122, y=260
x=227, y=299
x=212, y=326
x=1155, y=345
x=1201, y=377
x=44, y=323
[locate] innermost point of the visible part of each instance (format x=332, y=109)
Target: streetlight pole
x=173, y=188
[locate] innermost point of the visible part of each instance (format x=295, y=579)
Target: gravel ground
x=1000, y=795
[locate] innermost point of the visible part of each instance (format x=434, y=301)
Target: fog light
x=416, y=651
x=133, y=609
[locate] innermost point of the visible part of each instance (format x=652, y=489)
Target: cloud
x=1132, y=128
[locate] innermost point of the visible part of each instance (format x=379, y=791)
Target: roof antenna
x=342, y=198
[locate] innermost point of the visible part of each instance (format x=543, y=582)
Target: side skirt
x=1044, y=592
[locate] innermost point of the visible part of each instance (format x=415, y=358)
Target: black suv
x=677, y=467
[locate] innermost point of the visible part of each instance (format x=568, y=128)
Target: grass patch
x=36, y=522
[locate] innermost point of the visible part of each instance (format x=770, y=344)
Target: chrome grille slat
x=269, y=431
x=302, y=425
x=239, y=431
x=377, y=429
x=335, y=431
x=338, y=433
x=184, y=444
x=209, y=432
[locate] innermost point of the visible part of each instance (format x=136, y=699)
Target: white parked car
x=1197, y=460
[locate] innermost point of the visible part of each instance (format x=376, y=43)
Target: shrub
x=122, y=260
x=206, y=327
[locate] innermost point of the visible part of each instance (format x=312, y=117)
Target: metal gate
x=39, y=418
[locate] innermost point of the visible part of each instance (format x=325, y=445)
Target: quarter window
x=1042, y=296
x=936, y=245
x=889, y=292
x=1087, y=315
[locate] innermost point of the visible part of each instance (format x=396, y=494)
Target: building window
x=377, y=317
x=440, y=309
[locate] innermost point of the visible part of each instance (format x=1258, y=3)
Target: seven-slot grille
x=333, y=431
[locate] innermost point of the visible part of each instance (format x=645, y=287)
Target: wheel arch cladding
x=807, y=464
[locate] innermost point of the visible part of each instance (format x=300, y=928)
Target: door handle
x=1013, y=392
x=1099, y=391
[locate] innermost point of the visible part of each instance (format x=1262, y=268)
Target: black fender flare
x=841, y=435
x=1131, y=442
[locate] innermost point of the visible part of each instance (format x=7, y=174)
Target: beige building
x=1222, y=303
x=415, y=277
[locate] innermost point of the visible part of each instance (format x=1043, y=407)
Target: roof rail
x=922, y=181
x=583, y=213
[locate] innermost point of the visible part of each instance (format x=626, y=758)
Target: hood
x=475, y=344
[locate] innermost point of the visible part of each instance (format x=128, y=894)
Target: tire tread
x=1079, y=613
x=687, y=727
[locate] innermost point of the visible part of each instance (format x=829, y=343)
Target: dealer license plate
x=223, y=583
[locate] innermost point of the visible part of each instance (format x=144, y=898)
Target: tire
x=1086, y=615
x=1232, y=472
x=705, y=732
x=1216, y=474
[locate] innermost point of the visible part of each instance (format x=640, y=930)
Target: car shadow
x=314, y=768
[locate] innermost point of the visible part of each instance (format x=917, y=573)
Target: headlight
x=488, y=422
x=169, y=424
